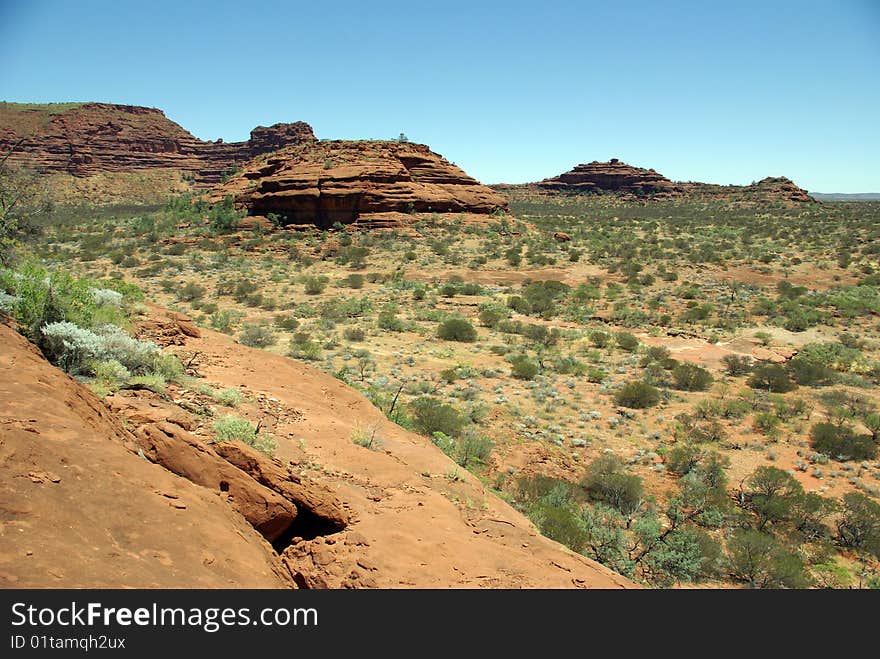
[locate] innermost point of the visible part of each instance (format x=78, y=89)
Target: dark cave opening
x=307, y=526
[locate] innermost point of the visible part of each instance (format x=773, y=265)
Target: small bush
x=637, y=395
x=72, y=347
x=627, y=342
x=859, y=525
x=841, y=442
x=430, y=415
x=388, y=320
x=600, y=339
x=523, y=368
x=736, y=365
x=606, y=480
x=457, y=329
x=190, y=292
x=472, y=447
x=366, y=437
x=257, y=336
x=110, y=372
x=286, y=323
x=230, y=428
x=231, y=397
x=315, y=285
x=224, y=320
x=492, y=314
x=691, y=377
x=772, y=378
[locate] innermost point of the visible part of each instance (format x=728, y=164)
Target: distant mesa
x=85, y=139
x=620, y=179
x=374, y=183
x=612, y=176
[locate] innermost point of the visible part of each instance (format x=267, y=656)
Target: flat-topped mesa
x=85, y=139
x=612, y=176
x=347, y=181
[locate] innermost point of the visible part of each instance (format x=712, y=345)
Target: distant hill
x=618, y=178
x=846, y=196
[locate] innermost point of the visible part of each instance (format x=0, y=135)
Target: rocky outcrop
x=341, y=181
x=612, y=176
x=618, y=178
x=80, y=508
x=768, y=190
x=92, y=138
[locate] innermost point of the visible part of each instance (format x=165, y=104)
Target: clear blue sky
x=724, y=92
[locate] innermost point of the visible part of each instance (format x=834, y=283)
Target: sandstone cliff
x=87, y=139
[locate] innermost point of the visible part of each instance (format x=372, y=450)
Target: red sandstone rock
x=612, y=176
x=339, y=181
x=90, y=138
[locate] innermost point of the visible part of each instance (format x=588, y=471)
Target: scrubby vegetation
x=704, y=375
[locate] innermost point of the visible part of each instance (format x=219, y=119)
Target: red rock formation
x=337, y=181
x=612, y=176
x=90, y=138
x=618, y=178
x=767, y=190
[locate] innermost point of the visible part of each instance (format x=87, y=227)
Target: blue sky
x=723, y=92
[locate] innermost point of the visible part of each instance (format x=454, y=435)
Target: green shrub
x=606, y=480
x=155, y=383
x=691, y=377
x=230, y=397
x=110, y=371
x=315, y=285
x=859, y=525
x=167, y=366
x=472, y=447
x=810, y=371
x=230, y=428
x=286, y=323
x=224, y=320
x=627, y=341
x=431, y=415
x=736, y=365
x=388, y=320
x=222, y=217
x=73, y=347
x=523, y=368
x=366, y=437
x=600, y=339
x=257, y=336
x=190, y=292
x=842, y=442
x=39, y=297
x=457, y=329
x=772, y=378
x=761, y=561
x=492, y=314
x=637, y=395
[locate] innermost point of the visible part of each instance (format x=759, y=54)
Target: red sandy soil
x=81, y=508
